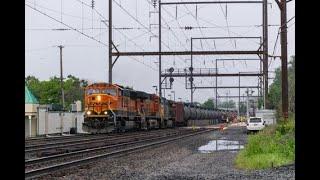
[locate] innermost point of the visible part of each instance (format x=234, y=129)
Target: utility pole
x=191, y=78
x=216, y=84
x=61, y=77
x=62, y=92
x=284, y=56
x=254, y=108
x=247, y=103
x=227, y=100
x=284, y=60
x=265, y=50
x=110, y=41
x=239, y=98
x=160, y=87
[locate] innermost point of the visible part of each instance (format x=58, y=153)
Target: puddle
x=219, y=145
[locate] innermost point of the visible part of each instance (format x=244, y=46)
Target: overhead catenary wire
x=59, y=12
x=105, y=22
x=276, y=42
x=75, y=29
x=226, y=19
x=200, y=27
x=129, y=40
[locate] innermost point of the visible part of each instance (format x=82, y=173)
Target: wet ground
x=206, y=156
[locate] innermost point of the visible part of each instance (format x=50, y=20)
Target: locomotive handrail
x=114, y=115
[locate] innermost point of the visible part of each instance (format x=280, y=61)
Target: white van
x=255, y=124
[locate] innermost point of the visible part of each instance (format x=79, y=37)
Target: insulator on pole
x=92, y=4
x=154, y=3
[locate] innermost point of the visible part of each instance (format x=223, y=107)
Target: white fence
x=55, y=122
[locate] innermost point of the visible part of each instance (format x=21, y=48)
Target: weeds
x=273, y=146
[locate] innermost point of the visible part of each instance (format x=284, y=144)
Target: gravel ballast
x=177, y=160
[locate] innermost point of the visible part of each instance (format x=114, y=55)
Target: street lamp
x=174, y=95
x=156, y=87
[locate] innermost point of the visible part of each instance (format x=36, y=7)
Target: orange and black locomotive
x=111, y=107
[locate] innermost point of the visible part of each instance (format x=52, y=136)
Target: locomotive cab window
x=89, y=91
x=111, y=92
x=93, y=91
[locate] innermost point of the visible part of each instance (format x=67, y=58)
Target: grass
x=274, y=146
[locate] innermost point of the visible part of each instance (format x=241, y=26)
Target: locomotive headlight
x=99, y=98
x=105, y=112
x=88, y=112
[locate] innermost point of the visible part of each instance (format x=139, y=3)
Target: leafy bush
x=273, y=146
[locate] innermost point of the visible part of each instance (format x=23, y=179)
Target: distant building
x=268, y=115
x=31, y=121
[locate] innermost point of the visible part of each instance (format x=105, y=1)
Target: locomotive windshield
x=111, y=92
x=93, y=91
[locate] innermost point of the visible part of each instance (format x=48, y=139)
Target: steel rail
x=29, y=148
x=109, y=141
x=43, y=159
x=42, y=171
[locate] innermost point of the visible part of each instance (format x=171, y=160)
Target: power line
x=139, y=28
x=60, y=12
x=66, y=25
x=105, y=22
x=139, y=22
x=276, y=42
x=225, y=30
x=227, y=23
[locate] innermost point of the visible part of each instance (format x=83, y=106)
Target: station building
x=42, y=120
x=31, y=120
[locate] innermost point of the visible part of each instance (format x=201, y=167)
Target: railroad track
x=41, y=166
x=85, y=139
x=83, y=144
x=67, y=139
x=56, y=138
x=61, y=139
x=103, y=147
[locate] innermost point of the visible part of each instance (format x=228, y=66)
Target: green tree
x=291, y=84
x=274, y=94
x=243, y=108
x=208, y=104
x=49, y=92
x=228, y=104
x=260, y=103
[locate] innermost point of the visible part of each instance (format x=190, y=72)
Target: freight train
x=111, y=107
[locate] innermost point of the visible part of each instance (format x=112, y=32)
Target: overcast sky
x=136, y=31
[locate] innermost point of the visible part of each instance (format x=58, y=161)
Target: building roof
x=29, y=97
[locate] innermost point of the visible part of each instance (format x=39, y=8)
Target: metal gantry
x=160, y=53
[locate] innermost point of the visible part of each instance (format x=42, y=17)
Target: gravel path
x=178, y=160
